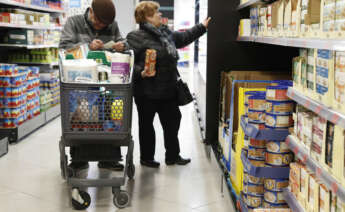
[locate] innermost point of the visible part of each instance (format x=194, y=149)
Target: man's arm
x=69, y=34
x=119, y=39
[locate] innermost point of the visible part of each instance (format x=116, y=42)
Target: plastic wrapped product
x=255, y=189
x=278, y=159
x=257, y=116
x=278, y=121
x=275, y=184
x=277, y=93
x=254, y=201
x=256, y=153
x=280, y=107
x=275, y=197
x=277, y=147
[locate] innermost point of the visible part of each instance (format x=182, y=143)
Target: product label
x=119, y=68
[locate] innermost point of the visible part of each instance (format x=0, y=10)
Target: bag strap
x=178, y=75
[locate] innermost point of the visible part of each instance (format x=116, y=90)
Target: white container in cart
x=83, y=70
x=120, y=68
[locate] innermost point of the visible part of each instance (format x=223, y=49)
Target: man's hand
x=96, y=44
x=206, y=22
x=119, y=46
x=145, y=73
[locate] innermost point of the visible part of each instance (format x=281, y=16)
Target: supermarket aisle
x=30, y=178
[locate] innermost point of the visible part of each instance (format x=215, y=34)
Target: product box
x=339, y=154
x=325, y=76
x=328, y=18
x=319, y=138
x=287, y=16
x=329, y=147
x=295, y=18
x=325, y=199
x=18, y=36
x=303, y=196
x=312, y=18
x=339, y=82
x=314, y=194
x=340, y=19
x=295, y=178
x=311, y=70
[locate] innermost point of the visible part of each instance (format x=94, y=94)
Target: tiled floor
x=30, y=179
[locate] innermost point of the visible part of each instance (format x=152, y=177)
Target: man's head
x=102, y=13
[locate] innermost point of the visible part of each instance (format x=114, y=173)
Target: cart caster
x=70, y=172
x=131, y=171
x=80, y=199
x=121, y=199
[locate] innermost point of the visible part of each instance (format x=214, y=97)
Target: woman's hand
x=146, y=73
x=119, y=46
x=206, y=22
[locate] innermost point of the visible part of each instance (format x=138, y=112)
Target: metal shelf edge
x=292, y=201
x=35, y=7
x=330, y=182
x=325, y=112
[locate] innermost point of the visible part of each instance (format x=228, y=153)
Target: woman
x=155, y=92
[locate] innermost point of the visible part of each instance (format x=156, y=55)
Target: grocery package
x=120, y=68
x=83, y=70
x=150, y=60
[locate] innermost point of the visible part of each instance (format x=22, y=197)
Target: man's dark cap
x=104, y=10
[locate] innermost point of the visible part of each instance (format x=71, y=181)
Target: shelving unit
x=330, y=44
x=326, y=178
x=29, y=46
x=292, y=201
x=320, y=109
x=29, y=6
x=31, y=125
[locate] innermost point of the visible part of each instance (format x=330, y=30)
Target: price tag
x=307, y=104
x=296, y=150
x=318, y=172
x=318, y=109
x=335, y=118
x=334, y=187
x=304, y=158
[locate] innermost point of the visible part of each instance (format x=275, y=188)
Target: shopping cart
x=95, y=114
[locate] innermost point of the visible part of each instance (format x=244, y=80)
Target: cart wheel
x=80, y=199
x=131, y=171
x=121, y=200
x=70, y=172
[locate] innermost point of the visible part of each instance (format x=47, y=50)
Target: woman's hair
x=145, y=9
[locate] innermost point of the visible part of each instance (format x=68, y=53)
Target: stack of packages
x=33, y=92
x=13, y=95
x=19, y=94
x=50, y=90
x=272, y=110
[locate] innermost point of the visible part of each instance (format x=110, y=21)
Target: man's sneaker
x=79, y=165
x=150, y=163
x=114, y=166
x=178, y=161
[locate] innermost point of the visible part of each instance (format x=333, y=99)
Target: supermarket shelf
x=267, y=172
x=23, y=26
x=23, y=5
x=330, y=44
x=31, y=125
x=292, y=201
x=29, y=46
x=326, y=178
x=33, y=63
x=251, y=3
x=253, y=132
x=320, y=109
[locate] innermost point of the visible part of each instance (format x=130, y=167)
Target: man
x=95, y=28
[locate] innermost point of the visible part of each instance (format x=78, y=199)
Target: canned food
x=255, y=180
x=257, y=163
x=245, y=177
x=278, y=159
x=266, y=204
x=257, y=143
x=254, y=200
x=281, y=120
x=256, y=189
x=275, y=184
x=256, y=153
x=247, y=94
x=275, y=197
x=257, y=102
x=259, y=126
x=279, y=107
x=245, y=188
x=277, y=147
x=277, y=93
x=256, y=116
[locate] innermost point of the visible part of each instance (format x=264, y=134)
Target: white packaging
x=120, y=68
x=82, y=70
